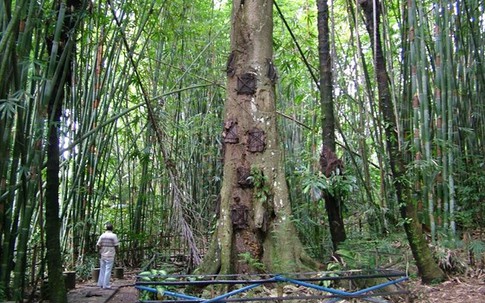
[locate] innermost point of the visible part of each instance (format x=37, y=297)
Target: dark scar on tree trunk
x=256, y=140
x=230, y=132
x=230, y=64
x=246, y=84
x=239, y=215
x=244, y=177
x=272, y=75
x=329, y=162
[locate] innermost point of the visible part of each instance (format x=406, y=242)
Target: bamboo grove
x=111, y=111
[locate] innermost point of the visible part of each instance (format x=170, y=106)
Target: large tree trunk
x=428, y=269
x=254, y=232
x=328, y=161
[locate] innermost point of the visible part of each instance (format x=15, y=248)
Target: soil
x=122, y=290
x=125, y=295
x=469, y=289
x=456, y=289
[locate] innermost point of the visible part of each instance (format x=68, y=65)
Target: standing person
x=107, y=245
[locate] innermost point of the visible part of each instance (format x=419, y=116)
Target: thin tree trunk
x=330, y=164
x=16, y=208
x=54, y=97
x=59, y=70
x=428, y=269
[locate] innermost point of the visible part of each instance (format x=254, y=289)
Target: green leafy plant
x=450, y=260
x=370, y=254
x=314, y=184
x=84, y=267
x=332, y=269
x=476, y=247
x=337, y=185
x=251, y=261
x=3, y=297
x=155, y=275
x=260, y=182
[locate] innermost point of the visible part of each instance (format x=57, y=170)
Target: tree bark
x=427, y=267
x=57, y=290
x=254, y=231
x=61, y=49
x=332, y=203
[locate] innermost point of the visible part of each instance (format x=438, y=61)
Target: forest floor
x=457, y=289
x=469, y=289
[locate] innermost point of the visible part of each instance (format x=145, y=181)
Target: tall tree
x=428, y=269
x=329, y=162
x=255, y=215
x=58, y=73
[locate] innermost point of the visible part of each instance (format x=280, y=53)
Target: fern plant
x=252, y=262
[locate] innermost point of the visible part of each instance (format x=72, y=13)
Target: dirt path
x=89, y=292
x=125, y=295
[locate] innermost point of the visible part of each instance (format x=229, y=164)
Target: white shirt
x=107, y=243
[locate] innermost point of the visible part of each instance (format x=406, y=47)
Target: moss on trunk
x=428, y=268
